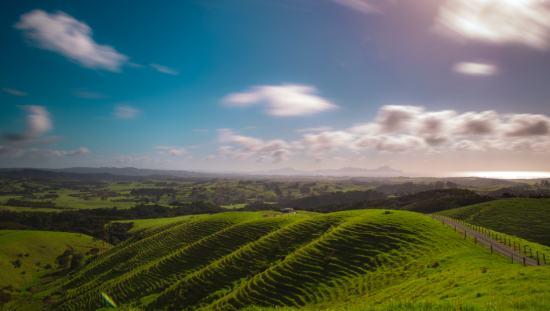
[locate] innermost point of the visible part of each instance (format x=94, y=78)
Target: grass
x=354, y=260
x=146, y=224
x=527, y=219
x=42, y=246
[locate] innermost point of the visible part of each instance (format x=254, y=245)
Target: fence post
x=524, y=261
x=538, y=262
x=475, y=240
x=464, y=235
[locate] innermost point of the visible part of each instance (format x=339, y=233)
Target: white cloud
x=527, y=125
x=314, y=129
x=178, y=152
x=476, y=69
x=401, y=129
x=164, y=69
x=326, y=141
x=14, y=92
x=125, y=112
x=282, y=101
x=524, y=22
x=38, y=122
x=77, y=152
x=393, y=118
x=61, y=33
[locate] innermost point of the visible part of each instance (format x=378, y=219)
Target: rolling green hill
x=525, y=218
x=41, y=247
x=352, y=259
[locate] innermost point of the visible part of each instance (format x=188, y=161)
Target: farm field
x=352, y=260
x=41, y=247
x=520, y=217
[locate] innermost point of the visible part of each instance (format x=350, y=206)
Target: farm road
x=497, y=246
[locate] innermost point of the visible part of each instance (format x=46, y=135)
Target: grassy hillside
x=146, y=224
x=525, y=218
x=41, y=247
x=351, y=259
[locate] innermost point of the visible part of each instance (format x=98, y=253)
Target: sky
x=247, y=85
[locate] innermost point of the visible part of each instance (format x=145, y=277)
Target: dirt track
x=497, y=246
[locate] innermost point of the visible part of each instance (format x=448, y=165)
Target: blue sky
x=262, y=84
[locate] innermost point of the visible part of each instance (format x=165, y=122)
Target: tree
x=63, y=261
x=17, y=263
x=76, y=261
x=4, y=298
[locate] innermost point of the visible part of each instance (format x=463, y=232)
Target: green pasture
x=42, y=247
x=353, y=260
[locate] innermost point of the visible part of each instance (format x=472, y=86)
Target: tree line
x=98, y=222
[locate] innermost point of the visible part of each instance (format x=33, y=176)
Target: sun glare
x=508, y=175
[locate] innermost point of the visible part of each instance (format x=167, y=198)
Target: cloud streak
x=476, y=69
x=14, y=92
x=525, y=22
x=126, y=112
x=365, y=6
x=165, y=69
x=61, y=33
x=282, y=101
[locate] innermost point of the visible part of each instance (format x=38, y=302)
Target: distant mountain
x=357, y=171
x=383, y=170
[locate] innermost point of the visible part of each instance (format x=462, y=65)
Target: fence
x=498, y=237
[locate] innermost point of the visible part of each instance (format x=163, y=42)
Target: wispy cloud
x=477, y=69
x=365, y=6
x=314, y=129
x=61, y=33
x=14, y=92
x=126, y=112
x=171, y=150
x=525, y=22
x=165, y=69
x=84, y=93
x=282, y=101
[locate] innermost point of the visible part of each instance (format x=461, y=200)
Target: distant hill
x=345, y=171
x=60, y=175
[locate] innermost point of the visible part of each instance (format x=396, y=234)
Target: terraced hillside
x=348, y=259
x=525, y=218
x=35, y=250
